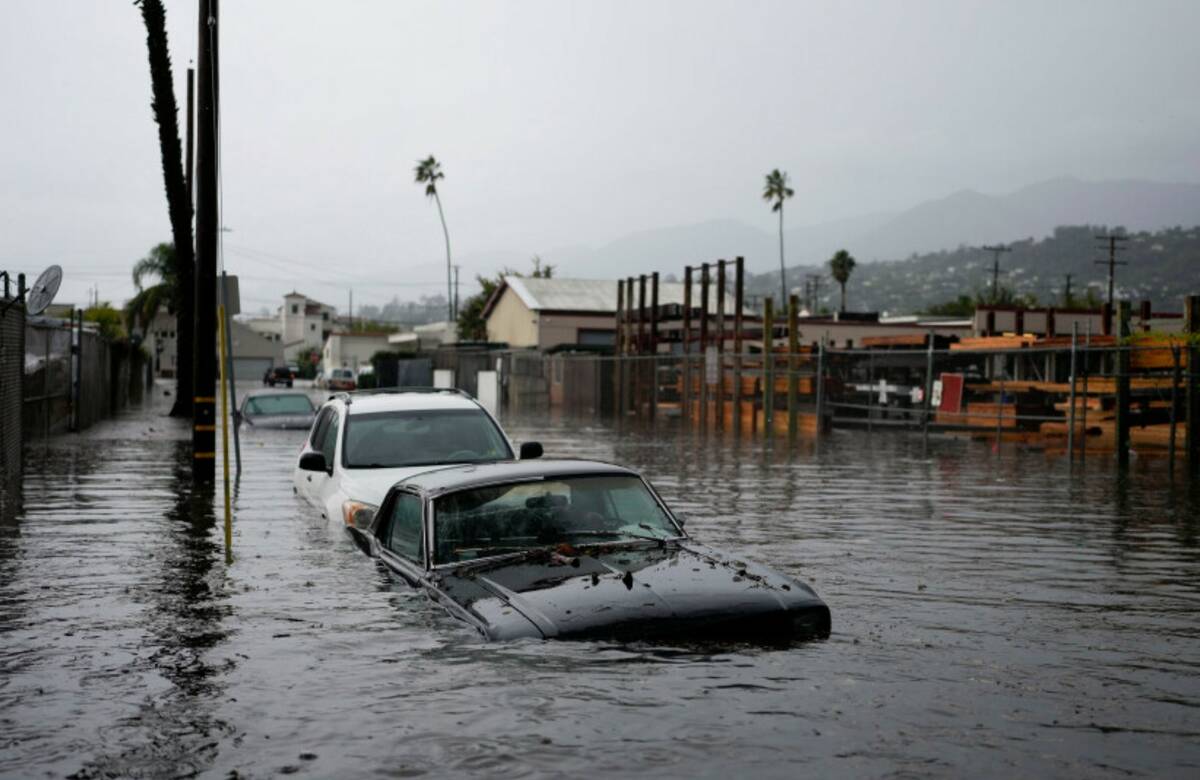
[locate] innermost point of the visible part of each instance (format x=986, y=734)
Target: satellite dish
x=43, y=290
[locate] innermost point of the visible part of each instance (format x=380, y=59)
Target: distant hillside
x=1162, y=267
x=965, y=217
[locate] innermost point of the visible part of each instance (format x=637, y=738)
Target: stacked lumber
x=907, y=340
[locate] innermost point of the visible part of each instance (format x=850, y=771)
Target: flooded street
x=993, y=613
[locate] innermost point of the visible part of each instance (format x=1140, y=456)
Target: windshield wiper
x=616, y=534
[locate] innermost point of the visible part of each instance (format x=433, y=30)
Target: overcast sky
x=563, y=123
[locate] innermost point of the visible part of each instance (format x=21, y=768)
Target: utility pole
x=204, y=427
x=816, y=293
x=1114, y=246
x=996, y=251
x=350, y=316
x=1067, y=292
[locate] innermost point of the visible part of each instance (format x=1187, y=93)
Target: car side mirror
x=531, y=450
x=312, y=461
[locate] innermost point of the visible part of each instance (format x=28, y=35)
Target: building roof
x=594, y=296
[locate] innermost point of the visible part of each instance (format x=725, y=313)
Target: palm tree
x=841, y=265
x=160, y=262
x=776, y=192
x=428, y=172
x=179, y=199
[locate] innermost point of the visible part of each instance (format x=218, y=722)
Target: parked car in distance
x=277, y=409
x=363, y=443
x=341, y=379
x=293, y=369
x=576, y=549
x=278, y=375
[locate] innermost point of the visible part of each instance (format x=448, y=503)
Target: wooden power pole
x=204, y=418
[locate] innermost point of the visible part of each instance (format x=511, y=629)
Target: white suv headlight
x=357, y=514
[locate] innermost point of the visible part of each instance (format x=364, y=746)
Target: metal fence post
x=821, y=386
x=793, y=385
x=928, y=389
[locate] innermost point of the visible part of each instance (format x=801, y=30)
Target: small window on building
x=295, y=308
x=312, y=326
x=325, y=316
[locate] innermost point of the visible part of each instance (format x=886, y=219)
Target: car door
x=305, y=480
x=324, y=483
x=402, y=538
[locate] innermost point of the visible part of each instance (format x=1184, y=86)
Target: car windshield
x=290, y=403
x=422, y=438
x=496, y=520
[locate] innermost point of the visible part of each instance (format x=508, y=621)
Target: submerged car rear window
x=422, y=438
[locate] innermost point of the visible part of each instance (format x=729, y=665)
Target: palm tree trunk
x=783, y=296
x=449, y=284
x=843, y=284
x=179, y=201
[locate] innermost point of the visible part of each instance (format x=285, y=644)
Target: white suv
x=363, y=443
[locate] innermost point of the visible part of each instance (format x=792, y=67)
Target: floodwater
x=993, y=613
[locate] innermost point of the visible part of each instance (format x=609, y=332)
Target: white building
x=301, y=324
x=351, y=350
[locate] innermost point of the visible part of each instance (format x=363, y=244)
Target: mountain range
x=966, y=217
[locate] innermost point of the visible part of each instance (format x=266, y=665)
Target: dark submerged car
x=576, y=549
x=279, y=375
x=277, y=409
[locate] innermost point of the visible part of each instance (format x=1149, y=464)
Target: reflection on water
x=991, y=611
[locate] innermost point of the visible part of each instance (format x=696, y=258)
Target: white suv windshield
x=421, y=438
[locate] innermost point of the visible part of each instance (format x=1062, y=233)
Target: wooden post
x=738, y=293
x=704, y=394
x=1087, y=346
x=686, y=393
x=630, y=348
x=768, y=372
x=618, y=348
x=793, y=385
x=654, y=345
x=639, y=396
x=1071, y=423
x=1192, y=394
x=1123, y=312
x=720, y=403
x=1174, y=406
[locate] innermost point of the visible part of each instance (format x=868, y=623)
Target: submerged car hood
x=676, y=589
x=371, y=485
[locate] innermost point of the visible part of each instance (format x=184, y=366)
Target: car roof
x=449, y=478
x=405, y=400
